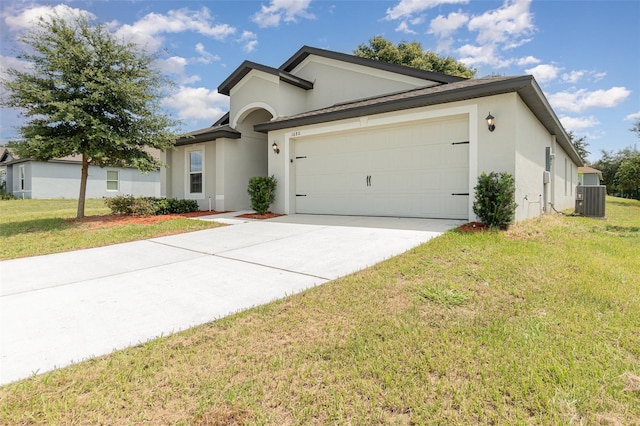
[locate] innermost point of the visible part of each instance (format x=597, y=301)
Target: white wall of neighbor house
x=62, y=180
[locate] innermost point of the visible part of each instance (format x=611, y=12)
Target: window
x=22, y=178
x=112, y=180
x=195, y=172
x=566, y=178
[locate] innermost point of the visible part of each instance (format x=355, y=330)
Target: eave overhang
x=208, y=134
x=247, y=66
x=305, y=51
x=525, y=86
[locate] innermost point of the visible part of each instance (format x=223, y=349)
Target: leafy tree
x=636, y=127
x=609, y=164
x=580, y=144
x=412, y=55
x=89, y=95
x=628, y=176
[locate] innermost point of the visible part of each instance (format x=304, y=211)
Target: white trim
x=249, y=108
x=187, y=171
x=22, y=178
x=117, y=180
x=372, y=121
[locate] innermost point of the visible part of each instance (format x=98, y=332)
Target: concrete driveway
x=64, y=308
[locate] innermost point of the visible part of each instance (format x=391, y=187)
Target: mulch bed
x=267, y=215
x=119, y=219
x=474, y=227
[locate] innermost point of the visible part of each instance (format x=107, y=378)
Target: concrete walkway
x=64, y=308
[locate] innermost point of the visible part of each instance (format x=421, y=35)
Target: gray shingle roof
x=525, y=86
x=208, y=134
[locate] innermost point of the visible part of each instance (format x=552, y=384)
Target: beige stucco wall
x=176, y=181
x=517, y=146
x=244, y=158
x=336, y=81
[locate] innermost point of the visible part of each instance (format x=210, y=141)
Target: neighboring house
x=352, y=136
x=60, y=178
x=588, y=176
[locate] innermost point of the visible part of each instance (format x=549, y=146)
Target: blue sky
x=584, y=54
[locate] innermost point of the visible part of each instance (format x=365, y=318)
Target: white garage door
x=417, y=170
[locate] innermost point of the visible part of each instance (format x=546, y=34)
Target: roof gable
x=246, y=67
x=305, y=51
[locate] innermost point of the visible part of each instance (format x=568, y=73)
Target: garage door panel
x=401, y=171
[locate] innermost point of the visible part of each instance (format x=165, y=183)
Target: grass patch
x=547, y=333
x=37, y=227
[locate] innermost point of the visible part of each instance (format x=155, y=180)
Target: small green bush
x=495, y=199
x=262, y=190
x=149, y=206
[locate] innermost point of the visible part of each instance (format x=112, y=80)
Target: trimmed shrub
x=495, y=199
x=262, y=190
x=149, y=206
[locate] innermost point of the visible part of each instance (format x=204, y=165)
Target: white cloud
x=507, y=27
x=446, y=26
x=287, y=10
x=478, y=55
x=634, y=116
x=7, y=62
x=408, y=8
x=249, y=39
x=205, y=57
x=528, y=60
x=146, y=31
x=28, y=17
x=403, y=27
x=544, y=72
x=175, y=65
x=573, y=76
x=197, y=103
x=505, y=24
x=580, y=100
x=578, y=124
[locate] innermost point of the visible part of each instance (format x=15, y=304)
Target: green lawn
x=36, y=227
x=536, y=325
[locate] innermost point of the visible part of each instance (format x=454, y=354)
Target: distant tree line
x=620, y=170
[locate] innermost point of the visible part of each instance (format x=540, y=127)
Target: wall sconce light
x=491, y=122
x=275, y=148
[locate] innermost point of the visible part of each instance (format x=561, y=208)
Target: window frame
x=22, y=176
x=117, y=180
x=189, y=173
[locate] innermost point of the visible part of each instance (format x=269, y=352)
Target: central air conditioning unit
x=590, y=200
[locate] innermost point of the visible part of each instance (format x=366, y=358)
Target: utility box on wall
x=590, y=200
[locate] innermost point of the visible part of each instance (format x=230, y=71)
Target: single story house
x=352, y=136
x=60, y=178
x=588, y=176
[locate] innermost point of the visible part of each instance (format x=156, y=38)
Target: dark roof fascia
x=305, y=51
x=247, y=66
x=210, y=135
x=525, y=86
x=222, y=120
